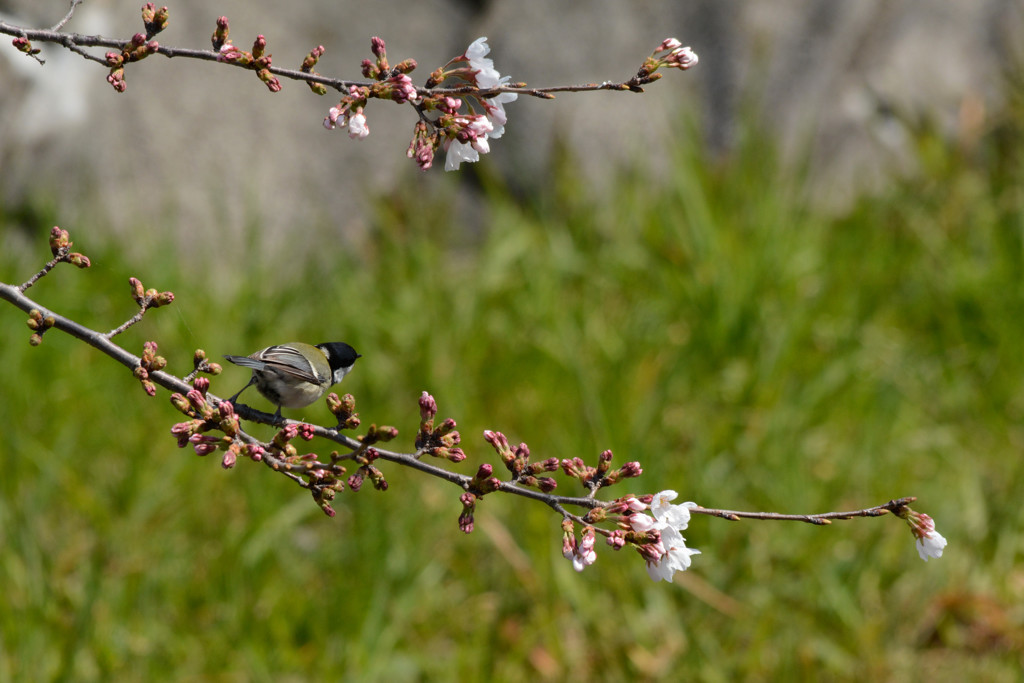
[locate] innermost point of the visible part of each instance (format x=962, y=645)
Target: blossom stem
x=823, y=518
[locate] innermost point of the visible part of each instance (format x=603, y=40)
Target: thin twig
x=128, y=323
x=62, y=255
x=67, y=17
x=819, y=519
x=75, y=42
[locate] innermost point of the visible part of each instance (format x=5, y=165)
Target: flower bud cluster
x=307, y=68
x=468, y=501
x=669, y=54
x=39, y=323
x=137, y=49
x=381, y=434
x=348, y=113
x=323, y=480
x=422, y=147
x=517, y=461
x=380, y=70
x=149, y=298
x=194, y=403
x=207, y=417
x=282, y=440
x=200, y=363
x=389, y=84
x=441, y=441
x=220, y=34
x=677, y=56
x=930, y=543
x=581, y=553
x=594, y=478
x=484, y=481
x=59, y=240
x=154, y=19
x=24, y=45
x=344, y=409
x=367, y=470
x=324, y=493
x=149, y=362
x=60, y=247
x=257, y=59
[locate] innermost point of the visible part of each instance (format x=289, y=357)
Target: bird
x=295, y=374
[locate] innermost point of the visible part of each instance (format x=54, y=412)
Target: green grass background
x=752, y=352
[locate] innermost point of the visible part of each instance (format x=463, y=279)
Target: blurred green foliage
x=751, y=352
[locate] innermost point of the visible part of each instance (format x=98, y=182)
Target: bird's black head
x=339, y=355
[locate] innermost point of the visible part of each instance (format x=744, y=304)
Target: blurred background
x=789, y=279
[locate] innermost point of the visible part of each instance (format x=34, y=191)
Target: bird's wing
x=246, y=362
x=281, y=359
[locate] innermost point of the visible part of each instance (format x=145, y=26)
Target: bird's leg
x=252, y=380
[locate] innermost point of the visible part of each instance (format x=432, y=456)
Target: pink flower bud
x=617, y=539
x=546, y=484
x=197, y=399
x=681, y=58
x=631, y=469
x=406, y=66
x=259, y=46
x=138, y=293
x=116, y=79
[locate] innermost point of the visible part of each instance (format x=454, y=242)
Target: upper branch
x=460, y=107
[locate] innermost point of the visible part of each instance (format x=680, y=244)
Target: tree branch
x=621, y=521
x=76, y=42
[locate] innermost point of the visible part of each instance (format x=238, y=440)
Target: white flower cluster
x=670, y=554
x=490, y=125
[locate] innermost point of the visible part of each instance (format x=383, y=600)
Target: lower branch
x=649, y=523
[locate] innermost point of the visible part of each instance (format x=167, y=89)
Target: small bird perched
x=294, y=375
